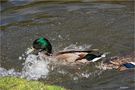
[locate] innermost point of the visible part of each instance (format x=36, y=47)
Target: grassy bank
x=13, y=83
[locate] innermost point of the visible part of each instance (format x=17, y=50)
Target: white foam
x=101, y=66
x=75, y=47
x=35, y=67
x=10, y=72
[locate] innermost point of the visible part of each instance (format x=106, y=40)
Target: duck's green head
x=42, y=44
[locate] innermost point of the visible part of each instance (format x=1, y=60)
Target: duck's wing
x=94, y=57
x=74, y=51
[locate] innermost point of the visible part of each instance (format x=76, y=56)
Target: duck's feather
x=129, y=65
x=74, y=51
x=73, y=56
x=68, y=57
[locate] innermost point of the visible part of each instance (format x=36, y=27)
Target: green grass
x=13, y=83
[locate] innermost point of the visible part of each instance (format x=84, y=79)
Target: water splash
x=34, y=67
x=102, y=66
x=75, y=47
x=37, y=66
x=11, y=72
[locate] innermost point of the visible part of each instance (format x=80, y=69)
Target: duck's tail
x=99, y=57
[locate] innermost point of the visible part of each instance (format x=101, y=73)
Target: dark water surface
x=108, y=26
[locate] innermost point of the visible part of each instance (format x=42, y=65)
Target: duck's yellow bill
x=30, y=50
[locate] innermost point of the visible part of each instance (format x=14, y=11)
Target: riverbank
x=13, y=83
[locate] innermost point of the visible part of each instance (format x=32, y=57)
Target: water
x=107, y=26
x=34, y=67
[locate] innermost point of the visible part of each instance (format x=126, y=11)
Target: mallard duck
x=43, y=45
x=121, y=63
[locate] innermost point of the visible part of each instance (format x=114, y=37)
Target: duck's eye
x=37, y=45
